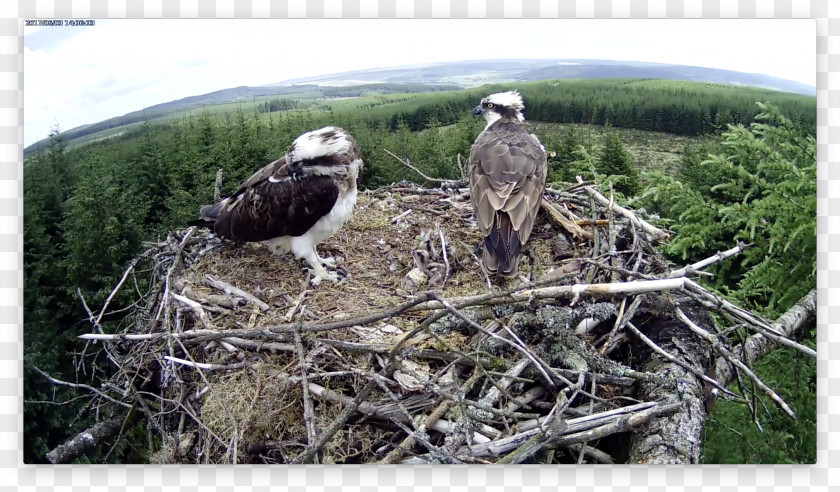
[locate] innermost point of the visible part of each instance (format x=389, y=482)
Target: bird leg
x=533, y=260
x=318, y=271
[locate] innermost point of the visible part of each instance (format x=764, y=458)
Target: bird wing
x=507, y=174
x=270, y=204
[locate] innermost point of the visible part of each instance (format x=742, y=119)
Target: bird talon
x=318, y=277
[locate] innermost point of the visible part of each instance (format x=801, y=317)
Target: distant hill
x=429, y=78
x=473, y=73
x=242, y=94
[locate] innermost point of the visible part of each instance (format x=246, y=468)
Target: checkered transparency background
x=747, y=478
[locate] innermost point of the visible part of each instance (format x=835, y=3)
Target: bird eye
x=490, y=105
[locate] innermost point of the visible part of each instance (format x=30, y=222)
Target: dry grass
x=361, y=248
x=258, y=406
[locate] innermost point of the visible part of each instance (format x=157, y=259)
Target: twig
x=405, y=163
x=569, y=225
x=217, y=187
x=720, y=256
x=494, y=393
x=445, y=256
x=558, y=291
x=617, y=325
x=79, y=386
x=522, y=348
x=576, y=425
x=480, y=267
x=308, y=408
x=86, y=440
x=717, y=345
x=195, y=307
x=207, y=367
x=461, y=167
x=752, y=320
x=595, y=454
x=229, y=289
x=655, y=235
x=650, y=343
x=555, y=426
x=291, y=313
x=401, y=216
x=798, y=317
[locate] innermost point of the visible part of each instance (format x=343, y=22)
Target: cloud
x=124, y=65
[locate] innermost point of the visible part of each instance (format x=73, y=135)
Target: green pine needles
x=758, y=185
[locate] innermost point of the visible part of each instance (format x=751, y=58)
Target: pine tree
x=765, y=194
x=614, y=162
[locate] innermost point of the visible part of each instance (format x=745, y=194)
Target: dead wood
x=90, y=438
x=232, y=347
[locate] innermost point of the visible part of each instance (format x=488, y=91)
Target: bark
x=792, y=323
x=88, y=439
x=677, y=438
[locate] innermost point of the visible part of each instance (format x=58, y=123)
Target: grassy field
x=651, y=151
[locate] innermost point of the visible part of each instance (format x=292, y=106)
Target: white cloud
x=120, y=66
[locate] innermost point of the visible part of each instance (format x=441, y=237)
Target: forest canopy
x=748, y=175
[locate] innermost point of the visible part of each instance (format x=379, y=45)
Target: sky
x=76, y=76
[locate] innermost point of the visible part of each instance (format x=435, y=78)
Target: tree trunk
x=792, y=323
x=677, y=438
x=88, y=439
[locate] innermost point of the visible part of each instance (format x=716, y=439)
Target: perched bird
x=507, y=178
x=295, y=202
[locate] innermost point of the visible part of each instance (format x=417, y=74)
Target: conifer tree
x=614, y=162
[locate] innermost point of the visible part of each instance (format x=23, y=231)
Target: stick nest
x=414, y=356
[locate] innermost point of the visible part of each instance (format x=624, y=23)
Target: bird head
x=501, y=105
x=325, y=151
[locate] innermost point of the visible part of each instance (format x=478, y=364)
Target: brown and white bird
x=507, y=178
x=297, y=201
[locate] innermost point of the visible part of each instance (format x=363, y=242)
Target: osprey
x=507, y=178
x=296, y=201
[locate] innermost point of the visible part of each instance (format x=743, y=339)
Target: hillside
x=228, y=99
x=473, y=73
x=91, y=209
x=425, y=78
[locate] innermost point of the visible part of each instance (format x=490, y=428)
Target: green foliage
x=676, y=107
x=614, y=162
x=759, y=187
x=561, y=153
x=103, y=228
x=732, y=437
x=88, y=208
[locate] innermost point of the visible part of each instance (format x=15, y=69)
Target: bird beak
x=478, y=110
x=295, y=170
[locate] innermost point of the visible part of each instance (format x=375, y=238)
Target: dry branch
x=88, y=439
x=231, y=290
x=225, y=374
x=655, y=235
x=795, y=320
x=729, y=356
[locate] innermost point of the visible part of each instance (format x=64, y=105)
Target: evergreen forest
x=745, y=170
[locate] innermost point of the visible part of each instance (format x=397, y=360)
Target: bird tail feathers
x=208, y=215
x=502, y=247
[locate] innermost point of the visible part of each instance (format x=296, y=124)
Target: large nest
x=415, y=356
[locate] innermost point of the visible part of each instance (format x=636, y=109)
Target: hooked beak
x=295, y=170
x=478, y=110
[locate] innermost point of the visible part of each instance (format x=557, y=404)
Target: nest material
x=414, y=356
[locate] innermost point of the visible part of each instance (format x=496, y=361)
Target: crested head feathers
x=323, y=142
x=501, y=105
x=509, y=99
